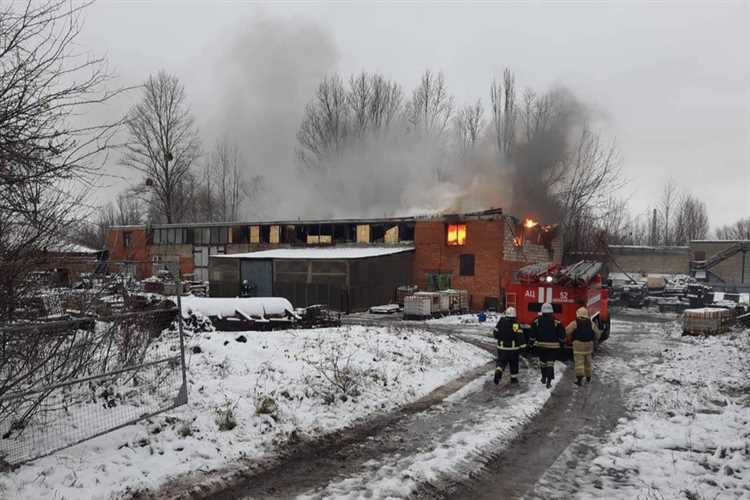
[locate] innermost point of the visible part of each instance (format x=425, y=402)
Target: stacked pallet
x=707, y=321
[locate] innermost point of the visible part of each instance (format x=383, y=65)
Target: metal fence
x=64, y=382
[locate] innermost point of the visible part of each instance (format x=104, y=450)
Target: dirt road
x=535, y=464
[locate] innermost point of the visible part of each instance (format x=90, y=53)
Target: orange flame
x=530, y=223
x=456, y=234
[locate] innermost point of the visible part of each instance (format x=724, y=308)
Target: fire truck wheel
x=604, y=327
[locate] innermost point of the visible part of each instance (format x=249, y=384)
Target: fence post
x=182, y=396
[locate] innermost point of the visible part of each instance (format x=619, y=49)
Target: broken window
x=265, y=234
x=466, y=265
x=456, y=234
x=127, y=239
x=406, y=231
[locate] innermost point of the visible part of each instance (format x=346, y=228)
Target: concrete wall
x=730, y=271
x=643, y=259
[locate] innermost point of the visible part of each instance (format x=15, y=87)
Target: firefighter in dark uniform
x=548, y=335
x=584, y=333
x=511, y=339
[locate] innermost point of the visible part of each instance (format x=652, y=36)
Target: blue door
x=256, y=278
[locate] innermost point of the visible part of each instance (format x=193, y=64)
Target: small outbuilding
x=343, y=278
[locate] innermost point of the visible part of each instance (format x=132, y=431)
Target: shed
x=344, y=278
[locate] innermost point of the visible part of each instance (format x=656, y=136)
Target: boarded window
x=254, y=234
x=275, y=236
x=699, y=255
x=363, y=233
x=456, y=234
x=466, y=265
x=391, y=236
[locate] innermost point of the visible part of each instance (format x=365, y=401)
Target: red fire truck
x=567, y=289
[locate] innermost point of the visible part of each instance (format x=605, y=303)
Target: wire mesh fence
x=67, y=381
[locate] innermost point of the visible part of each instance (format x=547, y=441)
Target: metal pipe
x=182, y=396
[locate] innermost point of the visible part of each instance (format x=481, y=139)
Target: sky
x=669, y=81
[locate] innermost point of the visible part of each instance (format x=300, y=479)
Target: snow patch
x=272, y=388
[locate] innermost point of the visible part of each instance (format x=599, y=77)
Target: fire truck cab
x=567, y=289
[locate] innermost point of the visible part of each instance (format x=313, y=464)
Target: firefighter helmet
x=582, y=313
x=547, y=308
x=510, y=312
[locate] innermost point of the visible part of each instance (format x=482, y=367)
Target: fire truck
x=566, y=288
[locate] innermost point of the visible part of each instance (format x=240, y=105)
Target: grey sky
x=672, y=80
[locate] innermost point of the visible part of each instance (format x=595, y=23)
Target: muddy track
x=564, y=435
x=514, y=470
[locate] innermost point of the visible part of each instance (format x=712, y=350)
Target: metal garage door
x=256, y=278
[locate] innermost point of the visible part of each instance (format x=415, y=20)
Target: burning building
x=478, y=252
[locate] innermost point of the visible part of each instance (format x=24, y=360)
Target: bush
x=225, y=418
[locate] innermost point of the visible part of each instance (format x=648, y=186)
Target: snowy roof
x=65, y=247
x=319, y=253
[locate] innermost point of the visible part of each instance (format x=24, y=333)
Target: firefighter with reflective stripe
x=583, y=332
x=548, y=335
x=510, y=340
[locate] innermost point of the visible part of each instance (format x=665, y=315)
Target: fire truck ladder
x=579, y=274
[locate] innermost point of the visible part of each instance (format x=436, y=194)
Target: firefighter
x=583, y=332
x=548, y=335
x=510, y=340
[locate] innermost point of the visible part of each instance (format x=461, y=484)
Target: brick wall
x=136, y=253
x=433, y=254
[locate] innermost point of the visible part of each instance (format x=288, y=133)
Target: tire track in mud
x=541, y=462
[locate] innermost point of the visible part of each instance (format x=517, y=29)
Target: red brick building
x=478, y=252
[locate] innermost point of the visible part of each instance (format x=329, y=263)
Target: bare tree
x=431, y=106
x=468, y=125
x=164, y=141
x=740, y=230
x=667, y=207
x=325, y=125
x=231, y=188
x=386, y=102
x=590, y=174
x=46, y=161
x=503, y=101
x=690, y=220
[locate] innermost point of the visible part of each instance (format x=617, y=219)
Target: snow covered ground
x=272, y=388
x=466, y=319
x=471, y=439
x=688, y=430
